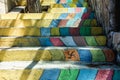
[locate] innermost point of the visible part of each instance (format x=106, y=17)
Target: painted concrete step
x=43, y=2
x=41, y=16
x=68, y=5
x=67, y=41
x=5, y=23
x=83, y=55
x=56, y=71
x=72, y=3
x=82, y=31
x=49, y=2
x=89, y=14
x=88, y=22
x=68, y=10
x=15, y=15
x=40, y=23
x=19, y=65
x=60, y=74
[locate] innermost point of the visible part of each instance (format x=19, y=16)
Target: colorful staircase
x=63, y=44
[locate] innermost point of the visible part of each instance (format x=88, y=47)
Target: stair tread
x=47, y=48
x=19, y=65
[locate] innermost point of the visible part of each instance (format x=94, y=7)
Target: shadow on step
x=31, y=66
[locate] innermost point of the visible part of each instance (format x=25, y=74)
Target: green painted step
x=67, y=41
x=89, y=23
x=80, y=54
x=34, y=31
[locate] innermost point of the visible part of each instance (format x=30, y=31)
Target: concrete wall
x=6, y=5
x=10, y=4
x=2, y=6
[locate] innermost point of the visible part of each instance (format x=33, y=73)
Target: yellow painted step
x=25, y=55
x=58, y=10
x=50, y=2
x=7, y=23
x=30, y=16
x=21, y=74
x=21, y=2
x=43, y=2
x=25, y=23
x=56, y=6
x=13, y=42
x=71, y=5
x=47, y=2
x=19, y=32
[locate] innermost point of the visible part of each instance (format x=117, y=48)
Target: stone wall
x=108, y=15
x=10, y=4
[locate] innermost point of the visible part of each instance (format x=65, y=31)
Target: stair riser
x=82, y=31
x=58, y=74
x=82, y=55
x=52, y=41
